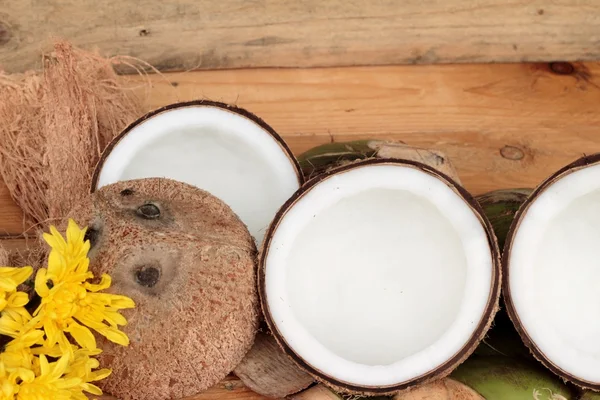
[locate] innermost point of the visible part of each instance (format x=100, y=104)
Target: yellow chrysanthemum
x=50, y=383
x=20, y=353
x=69, y=303
x=83, y=367
x=10, y=279
x=9, y=381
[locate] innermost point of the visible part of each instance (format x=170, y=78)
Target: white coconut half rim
x=552, y=268
x=222, y=149
x=379, y=275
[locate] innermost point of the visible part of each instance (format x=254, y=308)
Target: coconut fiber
x=54, y=125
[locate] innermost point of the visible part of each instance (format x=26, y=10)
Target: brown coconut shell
x=268, y=371
x=198, y=103
x=581, y=163
x=445, y=369
x=444, y=389
x=188, y=262
x=318, y=392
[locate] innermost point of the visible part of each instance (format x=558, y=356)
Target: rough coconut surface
x=268, y=371
x=188, y=263
x=445, y=389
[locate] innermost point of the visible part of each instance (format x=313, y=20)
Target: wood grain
x=186, y=34
x=503, y=126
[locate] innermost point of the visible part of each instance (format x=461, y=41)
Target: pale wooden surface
x=503, y=126
x=185, y=34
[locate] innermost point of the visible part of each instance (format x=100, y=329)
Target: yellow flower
x=49, y=384
x=10, y=279
x=9, y=381
x=20, y=353
x=81, y=368
x=69, y=303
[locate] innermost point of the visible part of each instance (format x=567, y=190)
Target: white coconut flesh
x=554, y=271
x=377, y=275
x=220, y=151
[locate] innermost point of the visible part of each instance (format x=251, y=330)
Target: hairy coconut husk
x=54, y=126
x=444, y=389
x=4, y=257
x=188, y=262
x=504, y=378
x=325, y=157
x=268, y=371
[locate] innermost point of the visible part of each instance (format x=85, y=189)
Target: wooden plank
x=502, y=126
x=186, y=34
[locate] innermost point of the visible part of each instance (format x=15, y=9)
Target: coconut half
x=219, y=148
x=551, y=270
x=379, y=275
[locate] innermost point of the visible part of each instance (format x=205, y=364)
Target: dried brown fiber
x=3, y=256
x=54, y=125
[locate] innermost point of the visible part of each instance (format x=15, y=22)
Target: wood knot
x=144, y=32
x=512, y=153
x=562, y=68
x=5, y=34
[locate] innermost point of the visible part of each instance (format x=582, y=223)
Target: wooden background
x=503, y=125
x=184, y=34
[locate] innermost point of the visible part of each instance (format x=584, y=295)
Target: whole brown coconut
x=188, y=263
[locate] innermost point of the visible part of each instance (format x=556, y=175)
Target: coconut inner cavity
x=362, y=282
x=214, y=149
x=378, y=275
x=554, y=270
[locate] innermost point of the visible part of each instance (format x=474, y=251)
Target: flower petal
x=18, y=299
x=83, y=336
x=41, y=286
x=105, y=283
x=115, y=336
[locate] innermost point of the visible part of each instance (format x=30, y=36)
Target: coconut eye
x=148, y=211
x=92, y=235
x=127, y=192
x=147, y=276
